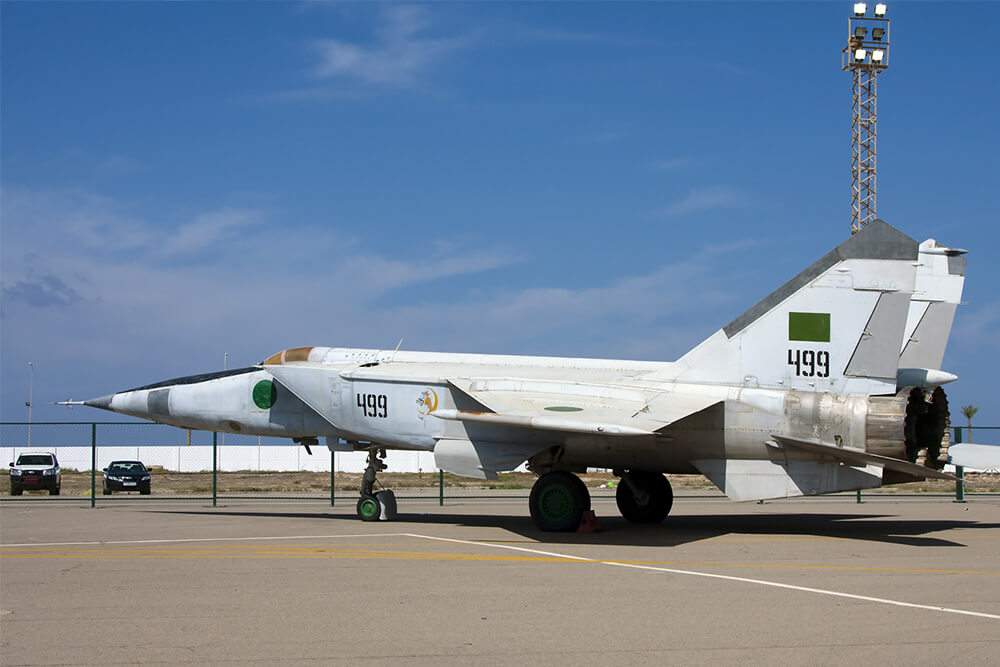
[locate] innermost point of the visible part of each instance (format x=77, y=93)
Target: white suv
x=37, y=470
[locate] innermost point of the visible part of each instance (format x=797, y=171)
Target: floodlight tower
x=866, y=54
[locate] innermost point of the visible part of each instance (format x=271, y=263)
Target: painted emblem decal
x=427, y=402
x=264, y=394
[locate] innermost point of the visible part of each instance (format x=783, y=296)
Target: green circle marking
x=264, y=394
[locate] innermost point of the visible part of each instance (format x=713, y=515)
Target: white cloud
x=265, y=287
x=207, y=230
x=400, y=54
x=218, y=263
x=705, y=199
x=39, y=286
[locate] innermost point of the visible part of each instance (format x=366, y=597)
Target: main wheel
x=655, y=497
x=369, y=508
x=558, y=501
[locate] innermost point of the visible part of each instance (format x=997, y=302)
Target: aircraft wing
x=857, y=457
x=575, y=407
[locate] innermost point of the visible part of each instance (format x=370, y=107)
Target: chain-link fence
x=201, y=464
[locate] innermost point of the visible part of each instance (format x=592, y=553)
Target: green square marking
x=812, y=327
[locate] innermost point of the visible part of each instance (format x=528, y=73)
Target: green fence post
x=859, y=496
x=333, y=478
x=959, y=471
x=93, y=463
x=215, y=466
x=441, y=487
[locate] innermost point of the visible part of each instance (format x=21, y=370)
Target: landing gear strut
x=644, y=497
x=558, y=501
x=375, y=505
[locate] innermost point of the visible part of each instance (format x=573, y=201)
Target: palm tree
x=970, y=411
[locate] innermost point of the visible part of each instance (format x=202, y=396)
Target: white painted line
x=745, y=580
x=502, y=546
x=806, y=589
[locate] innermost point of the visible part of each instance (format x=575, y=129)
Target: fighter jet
x=802, y=394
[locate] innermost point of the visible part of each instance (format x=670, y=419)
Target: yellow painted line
x=365, y=552
x=146, y=549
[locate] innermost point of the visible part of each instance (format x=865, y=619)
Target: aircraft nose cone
x=103, y=402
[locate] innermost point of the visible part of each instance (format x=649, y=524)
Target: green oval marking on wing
x=563, y=408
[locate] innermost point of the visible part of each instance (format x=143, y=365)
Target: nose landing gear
x=375, y=505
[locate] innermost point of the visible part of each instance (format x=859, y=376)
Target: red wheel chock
x=589, y=524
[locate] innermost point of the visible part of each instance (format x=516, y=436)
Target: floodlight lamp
x=860, y=32
x=878, y=55
x=880, y=9
x=859, y=55
x=878, y=33
x=860, y=8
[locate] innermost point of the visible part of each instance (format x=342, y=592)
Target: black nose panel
x=158, y=402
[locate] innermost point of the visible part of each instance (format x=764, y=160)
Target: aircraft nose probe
x=102, y=402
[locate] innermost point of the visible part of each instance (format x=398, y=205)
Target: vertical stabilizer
x=837, y=326
x=936, y=295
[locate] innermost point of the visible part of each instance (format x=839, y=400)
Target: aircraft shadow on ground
x=672, y=532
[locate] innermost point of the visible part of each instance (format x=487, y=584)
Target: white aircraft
x=802, y=394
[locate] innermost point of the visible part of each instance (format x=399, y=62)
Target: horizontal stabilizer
x=980, y=457
x=857, y=457
x=743, y=480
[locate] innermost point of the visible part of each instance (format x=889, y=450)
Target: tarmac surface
x=820, y=581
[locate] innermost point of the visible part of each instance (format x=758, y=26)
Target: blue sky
x=185, y=180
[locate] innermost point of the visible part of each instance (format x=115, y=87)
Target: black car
x=126, y=476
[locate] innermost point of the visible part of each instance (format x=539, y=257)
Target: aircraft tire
x=558, y=501
x=369, y=508
x=661, y=497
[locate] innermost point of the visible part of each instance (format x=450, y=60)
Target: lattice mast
x=866, y=54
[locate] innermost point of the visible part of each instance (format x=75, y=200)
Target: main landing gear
x=644, y=497
x=375, y=505
x=557, y=502
x=559, y=499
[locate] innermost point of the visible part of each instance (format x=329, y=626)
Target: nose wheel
x=375, y=505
